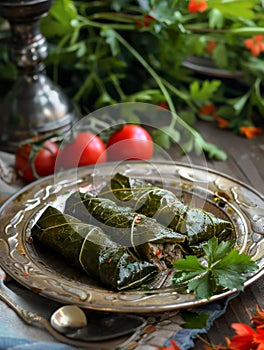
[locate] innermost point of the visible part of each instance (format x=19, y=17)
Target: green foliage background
x=106, y=52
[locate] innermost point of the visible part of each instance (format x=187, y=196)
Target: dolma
x=87, y=247
x=197, y=224
x=149, y=239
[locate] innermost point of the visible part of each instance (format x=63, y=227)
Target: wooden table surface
x=246, y=163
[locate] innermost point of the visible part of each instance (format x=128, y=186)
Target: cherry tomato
x=86, y=149
x=132, y=142
x=35, y=160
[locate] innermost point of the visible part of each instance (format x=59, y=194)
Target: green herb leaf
x=257, y=96
x=234, y=7
x=62, y=19
x=205, y=285
x=215, y=251
x=188, y=116
x=188, y=145
x=216, y=19
x=205, y=90
x=193, y=320
x=190, y=264
x=211, y=150
x=220, y=56
x=110, y=36
x=222, y=267
x=163, y=136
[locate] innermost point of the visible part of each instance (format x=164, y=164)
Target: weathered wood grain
x=246, y=163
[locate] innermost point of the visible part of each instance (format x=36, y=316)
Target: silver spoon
x=70, y=320
x=104, y=325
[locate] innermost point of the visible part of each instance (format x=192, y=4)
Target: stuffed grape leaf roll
x=149, y=239
x=87, y=247
x=197, y=224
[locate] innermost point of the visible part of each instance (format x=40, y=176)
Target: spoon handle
x=27, y=316
x=34, y=318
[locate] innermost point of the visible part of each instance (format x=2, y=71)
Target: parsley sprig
x=221, y=267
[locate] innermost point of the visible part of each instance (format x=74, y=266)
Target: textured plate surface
x=48, y=275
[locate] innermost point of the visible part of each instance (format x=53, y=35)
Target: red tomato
x=86, y=149
x=33, y=161
x=130, y=143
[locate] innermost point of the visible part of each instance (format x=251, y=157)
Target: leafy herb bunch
x=106, y=52
x=222, y=267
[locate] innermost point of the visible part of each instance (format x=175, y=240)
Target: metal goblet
x=35, y=106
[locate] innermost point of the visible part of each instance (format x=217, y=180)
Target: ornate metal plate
x=48, y=275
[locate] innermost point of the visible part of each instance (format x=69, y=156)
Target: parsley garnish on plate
x=220, y=267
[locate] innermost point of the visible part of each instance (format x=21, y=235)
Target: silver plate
x=48, y=275
x=206, y=66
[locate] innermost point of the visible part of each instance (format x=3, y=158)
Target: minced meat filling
x=163, y=254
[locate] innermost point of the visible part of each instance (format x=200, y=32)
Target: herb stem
x=120, y=26
x=122, y=17
x=175, y=117
x=60, y=45
x=203, y=340
x=150, y=70
x=178, y=93
x=235, y=31
x=117, y=87
x=83, y=87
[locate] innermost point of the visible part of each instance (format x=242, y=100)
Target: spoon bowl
x=68, y=318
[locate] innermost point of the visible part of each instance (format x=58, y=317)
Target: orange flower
x=163, y=105
x=145, y=22
x=244, y=340
x=258, y=319
x=259, y=338
x=250, y=131
x=173, y=346
x=255, y=44
x=222, y=123
x=197, y=6
x=210, y=46
x=208, y=109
